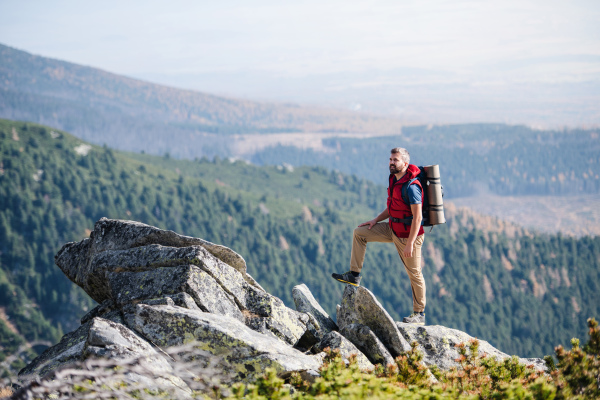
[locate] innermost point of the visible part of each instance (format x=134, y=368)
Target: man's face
x=396, y=164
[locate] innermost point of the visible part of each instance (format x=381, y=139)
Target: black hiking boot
x=347, y=277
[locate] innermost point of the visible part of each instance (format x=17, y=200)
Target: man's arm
x=381, y=217
x=414, y=229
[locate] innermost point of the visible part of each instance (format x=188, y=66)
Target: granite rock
x=246, y=352
x=306, y=303
x=368, y=343
x=438, y=345
x=359, y=306
x=335, y=340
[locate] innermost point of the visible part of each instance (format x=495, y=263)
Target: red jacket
x=397, y=207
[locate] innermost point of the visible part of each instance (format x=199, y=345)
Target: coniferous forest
x=523, y=292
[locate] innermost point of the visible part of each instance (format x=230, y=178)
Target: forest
x=523, y=292
x=473, y=158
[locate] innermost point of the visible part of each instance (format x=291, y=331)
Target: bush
x=477, y=376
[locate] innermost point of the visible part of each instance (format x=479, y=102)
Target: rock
x=202, y=289
x=185, y=300
x=99, y=310
x=359, y=306
x=158, y=289
x=306, y=303
x=128, y=261
x=308, y=340
x=285, y=323
x=368, y=343
x=69, y=350
x=92, y=275
x=537, y=363
x=263, y=309
x=246, y=352
x=113, y=341
x=281, y=322
x=437, y=343
x=103, y=338
x=114, y=235
x=335, y=340
x=161, y=301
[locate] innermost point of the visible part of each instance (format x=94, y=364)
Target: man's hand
x=370, y=223
x=408, y=249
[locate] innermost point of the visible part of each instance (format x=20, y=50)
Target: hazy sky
x=481, y=42
x=303, y=37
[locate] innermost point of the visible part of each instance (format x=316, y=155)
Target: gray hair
x=403, y=153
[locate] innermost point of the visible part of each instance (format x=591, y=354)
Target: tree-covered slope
x=474, y=158
x=524, y=293
x=134, y=115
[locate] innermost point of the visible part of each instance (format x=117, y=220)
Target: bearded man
x=403, y=229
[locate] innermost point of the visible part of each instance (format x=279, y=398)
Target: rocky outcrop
x=158, y=290
x=306, y=303
x=127, y=261
x=245, y=352
x=71, y=348
x=74, y=259
x=207, y=294
x=438, y=345
x=359, y=306
x=127, y=266
x=368, y=343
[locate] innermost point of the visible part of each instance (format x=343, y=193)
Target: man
x=403, y=229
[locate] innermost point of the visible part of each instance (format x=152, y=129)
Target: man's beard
x=394, y=169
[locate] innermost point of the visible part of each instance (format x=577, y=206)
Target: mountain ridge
x=290, y=225
x=106, y=106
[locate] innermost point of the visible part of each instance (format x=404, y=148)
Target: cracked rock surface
x=157, y=289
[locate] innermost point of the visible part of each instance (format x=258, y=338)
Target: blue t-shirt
x=414, y=192
x=415, y=195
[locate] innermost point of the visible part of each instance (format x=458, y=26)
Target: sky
x=348, y=53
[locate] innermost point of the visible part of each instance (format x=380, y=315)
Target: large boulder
x=306, y=303
x=208, y=295
x=359, y=306
x=126, y=261
x=246, y=352
x=438, y=345
x=368, y=343
x=69, y=350
x=111, y=340
x=114, y=235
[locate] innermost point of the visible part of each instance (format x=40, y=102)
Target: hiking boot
x=347, y=277
x=415, y=318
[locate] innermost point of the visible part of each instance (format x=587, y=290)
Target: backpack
x=433, y=192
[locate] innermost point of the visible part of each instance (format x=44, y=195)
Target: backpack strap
x=405, y=191
x=408, y=220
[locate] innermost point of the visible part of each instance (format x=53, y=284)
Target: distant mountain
x=130, y=114
x=523, y=292
x=497, y=158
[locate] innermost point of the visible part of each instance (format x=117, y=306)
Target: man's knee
x=359, y=235
x=360, y=232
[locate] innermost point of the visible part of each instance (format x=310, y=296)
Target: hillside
x=128, y=114
x=524, y=293
x=545, y=180
x=134, y=115
x=475, y=158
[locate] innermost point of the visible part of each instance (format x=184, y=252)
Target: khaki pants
x=381, y=232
